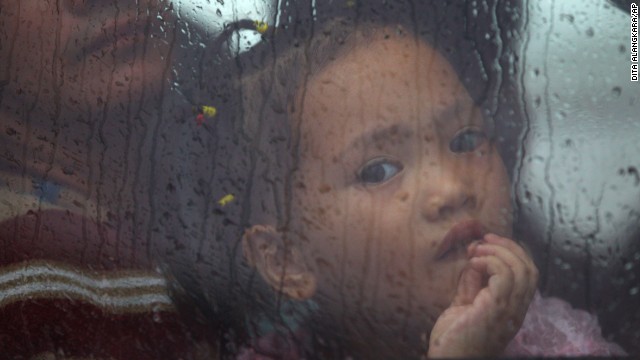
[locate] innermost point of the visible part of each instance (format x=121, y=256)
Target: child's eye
x=467, y=140
x=378, y=170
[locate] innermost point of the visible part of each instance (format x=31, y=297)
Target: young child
x=381, y=208
x=403, y=219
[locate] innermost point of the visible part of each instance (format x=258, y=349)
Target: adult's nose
x=445, y=195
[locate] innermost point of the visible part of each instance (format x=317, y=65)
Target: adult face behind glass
x=74, y=75
x=85, y=110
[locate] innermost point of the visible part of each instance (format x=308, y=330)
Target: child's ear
x=281, y=267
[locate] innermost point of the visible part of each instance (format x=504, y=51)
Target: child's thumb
x=469, y=285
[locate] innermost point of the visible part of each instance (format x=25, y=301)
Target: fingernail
x=472, y=248
x=490, y=236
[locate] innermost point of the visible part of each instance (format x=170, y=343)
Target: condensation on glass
x=223, y=179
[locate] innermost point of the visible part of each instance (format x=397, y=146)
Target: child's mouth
x=459, y=237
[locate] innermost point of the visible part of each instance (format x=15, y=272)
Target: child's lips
x=459, y=236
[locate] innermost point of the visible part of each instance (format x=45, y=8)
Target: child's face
x=393, y=154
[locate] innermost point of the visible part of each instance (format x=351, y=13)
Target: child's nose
x=445, y=196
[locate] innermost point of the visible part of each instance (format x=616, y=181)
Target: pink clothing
x=551, y=328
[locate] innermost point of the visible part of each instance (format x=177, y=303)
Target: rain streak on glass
x=205, y=179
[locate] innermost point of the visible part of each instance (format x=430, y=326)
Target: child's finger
x=501, y=277
x=522, y=267
x=521, y=252
x=511, y=245
x=524, y=277
x=471, y=248
x=517, y=250
x=469, y=285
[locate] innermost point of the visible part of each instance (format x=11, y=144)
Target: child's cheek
x=494, y=191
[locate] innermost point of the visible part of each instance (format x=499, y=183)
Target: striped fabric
x=74, y=289
x=117, y=292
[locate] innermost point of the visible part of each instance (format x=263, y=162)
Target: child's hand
x=493, y=296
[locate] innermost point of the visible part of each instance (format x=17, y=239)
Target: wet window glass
x=269, y=179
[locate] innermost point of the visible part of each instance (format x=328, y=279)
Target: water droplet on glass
x=616, y=91
x=218, y=12
x=634, y=291
x=277, y=108
x=570, y=18
x=608, y=216
x=537, y=101
x=590, y=32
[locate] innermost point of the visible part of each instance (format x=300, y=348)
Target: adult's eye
x=378, y=171
x=467, y=140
